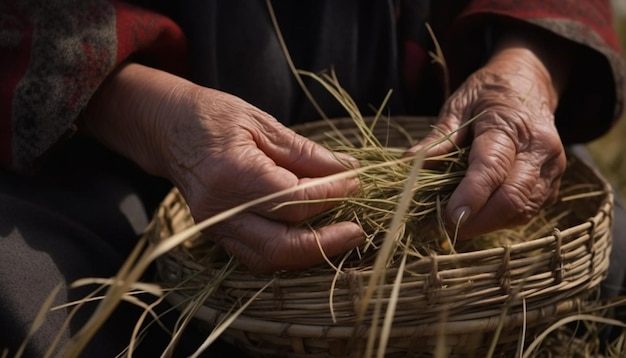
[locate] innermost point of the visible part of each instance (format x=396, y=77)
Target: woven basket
x=460, y=303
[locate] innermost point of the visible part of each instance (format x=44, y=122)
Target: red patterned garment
x=55, y=53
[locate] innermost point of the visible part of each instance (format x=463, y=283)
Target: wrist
x=541, y=56
x=129, y=114
x=530, y=77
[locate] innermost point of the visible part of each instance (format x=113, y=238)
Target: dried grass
x=399, y=208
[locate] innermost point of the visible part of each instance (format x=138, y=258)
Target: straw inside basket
x=461, y=295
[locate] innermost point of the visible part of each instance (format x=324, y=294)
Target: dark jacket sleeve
x=55, y=54
x=594, y=98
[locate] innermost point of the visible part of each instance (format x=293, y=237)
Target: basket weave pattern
x=459, y=301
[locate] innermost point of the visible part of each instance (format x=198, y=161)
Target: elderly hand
x=516, y=159
x=220, y=151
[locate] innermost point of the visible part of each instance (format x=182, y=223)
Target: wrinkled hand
x=220, y=152
x=516, y=159
x=227, y=152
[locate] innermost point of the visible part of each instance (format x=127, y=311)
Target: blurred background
x=610, y=150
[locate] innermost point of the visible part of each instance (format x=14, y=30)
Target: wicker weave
x=463, y=295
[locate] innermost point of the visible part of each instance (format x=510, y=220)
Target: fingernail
x=353, y=186
x=461, y=215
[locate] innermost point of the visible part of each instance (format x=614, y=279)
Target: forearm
x=127, y=114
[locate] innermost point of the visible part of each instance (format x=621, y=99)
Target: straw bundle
x=475, y=303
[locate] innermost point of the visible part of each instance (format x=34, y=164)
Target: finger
x=305, y=203
x=520, y=197
x=491, y=158
x=300, y=155
x=511, y=205
x=266, y=246
x=317, y=195
x=499, y=212
x=508, y=206
x=251, y=175
x=291, y=160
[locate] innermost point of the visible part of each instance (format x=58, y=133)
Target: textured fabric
x=51, y=233
x=56, y=53
x=375, y=47
x=235, y=48
x=78, y=218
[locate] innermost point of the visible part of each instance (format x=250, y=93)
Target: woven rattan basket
x=458, y=302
